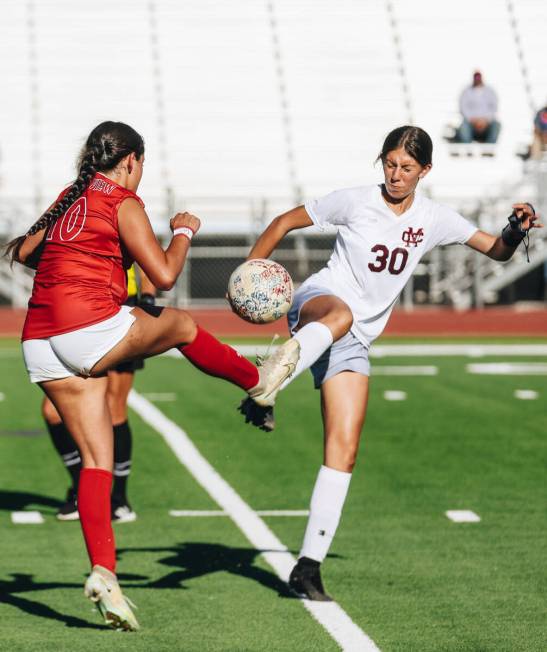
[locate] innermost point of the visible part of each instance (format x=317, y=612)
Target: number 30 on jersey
x=395, y=260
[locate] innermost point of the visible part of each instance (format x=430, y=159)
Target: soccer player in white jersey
x=383, y=232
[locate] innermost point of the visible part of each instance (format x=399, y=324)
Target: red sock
x=94, y=507
x=217, y=359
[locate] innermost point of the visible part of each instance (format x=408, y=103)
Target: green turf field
x=408, y=576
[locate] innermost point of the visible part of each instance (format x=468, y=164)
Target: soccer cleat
x=123, y=513
x=103, y=589
x=273, y=371
x=69, y=510
x=257, y=415
x=305, y=580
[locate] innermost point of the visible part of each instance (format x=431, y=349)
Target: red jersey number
x=71, y=224
x=394, y=260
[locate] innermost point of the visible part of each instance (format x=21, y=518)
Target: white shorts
x=75, y=353
x=346, y=354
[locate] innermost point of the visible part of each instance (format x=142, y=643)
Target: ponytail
x=105, y=147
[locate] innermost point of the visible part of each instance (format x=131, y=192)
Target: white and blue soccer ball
x=260, y=291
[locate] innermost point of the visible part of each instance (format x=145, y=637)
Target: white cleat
x=274, y=371
x=103, y=589
x=123, y=514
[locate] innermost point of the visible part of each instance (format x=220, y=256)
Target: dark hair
x=104, y=148
x=416, y=142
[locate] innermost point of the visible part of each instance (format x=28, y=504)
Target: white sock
x=314, y=339
x=327, y=501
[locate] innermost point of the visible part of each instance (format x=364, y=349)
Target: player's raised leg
x=322, y=320
x=156, y=330
x=317, y=321
x=343, y=402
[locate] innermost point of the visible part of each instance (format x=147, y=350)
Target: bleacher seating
x=242, y=102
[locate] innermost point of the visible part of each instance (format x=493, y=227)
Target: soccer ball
x=260, y=291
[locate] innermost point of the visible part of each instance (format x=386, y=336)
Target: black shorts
x=131, y=365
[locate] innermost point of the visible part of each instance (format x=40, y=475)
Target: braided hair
x=105, y=147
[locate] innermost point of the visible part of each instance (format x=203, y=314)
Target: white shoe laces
x=261, y=359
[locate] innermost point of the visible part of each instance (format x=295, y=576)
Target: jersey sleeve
x=452, y=228
x=333, y=209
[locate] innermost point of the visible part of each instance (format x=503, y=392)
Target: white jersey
x=376, y=251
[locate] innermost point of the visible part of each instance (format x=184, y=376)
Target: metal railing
x=453, y=276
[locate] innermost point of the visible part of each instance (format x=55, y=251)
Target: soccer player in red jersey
x=77, y=329
x=120, y=381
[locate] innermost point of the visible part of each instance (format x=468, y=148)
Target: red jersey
x=81, y=277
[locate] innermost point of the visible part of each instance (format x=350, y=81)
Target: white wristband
x=184, y=230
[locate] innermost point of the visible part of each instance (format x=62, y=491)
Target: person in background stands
x=539, y=143
x=478, y=106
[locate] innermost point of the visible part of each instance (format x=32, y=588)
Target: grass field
x=404, y=573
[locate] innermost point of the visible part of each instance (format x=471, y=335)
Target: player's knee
x=342, y=322
x=341, y=454
x=186, y=327
x=347, y=461
x=118, y=409
x=49, y=412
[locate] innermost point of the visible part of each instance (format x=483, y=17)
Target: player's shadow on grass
x=192, y=560
x=16, y=501
x=24, y=583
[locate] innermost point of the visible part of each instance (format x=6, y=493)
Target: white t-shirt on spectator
x=479, y=102
x=376, y=251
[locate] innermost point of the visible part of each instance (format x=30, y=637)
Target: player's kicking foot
x=69, y=510
x=257, y=415
x=103, y=589
x=305, y=580
x=274, y=371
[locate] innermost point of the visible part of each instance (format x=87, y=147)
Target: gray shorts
x=346, y=354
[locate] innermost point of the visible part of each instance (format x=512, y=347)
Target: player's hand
x=526, y=215
x=185, y=219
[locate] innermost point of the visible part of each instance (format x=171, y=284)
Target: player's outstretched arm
x=161, y=267
x=297, y=218
x=504, y=246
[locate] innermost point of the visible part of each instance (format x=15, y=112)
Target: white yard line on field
x=467, y=350
x=27, y=518
x=394, y=395
x=161, y=396
x=508, y=368
x=330, y=615
x=403, y=370
x=526, y=394
x=416, y=350
x=197, y=512
x=463, y=516
x=387, y=350
x=260, y=512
